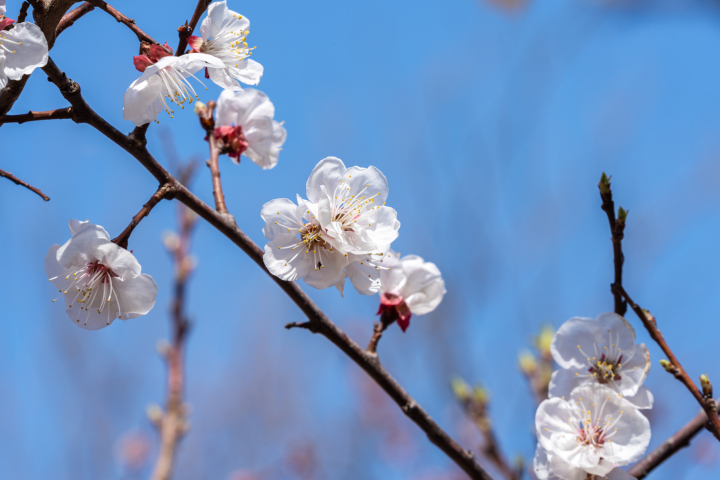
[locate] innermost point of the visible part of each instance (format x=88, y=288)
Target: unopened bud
x=519, y=463
x=650, y=317
x=622, y=214
x=706, y=385
x=460, y=388
x=528, y=363
x=171, y=241
x=544, y=340
x=154, y=413
x=481, y=395
x=163, y=347
x=669, y=367
x=604, y=184
x=200, y=107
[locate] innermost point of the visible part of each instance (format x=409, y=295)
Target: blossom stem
x=23, y=183
x=127, y=21
x=163, y=191
x=172, y=424
x=669, y=447
x=208, y=123
x=184, y=31
x=379, y=327
x=707, y=404
x=617, y=228
x=33, y=116
x=135, y=144
x=73, y=16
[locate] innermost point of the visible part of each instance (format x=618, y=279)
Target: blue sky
x=492, y=128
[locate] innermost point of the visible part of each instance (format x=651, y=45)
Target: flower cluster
x=23, y=48
x=591, y=423
x=343, y=230
x=222, y=52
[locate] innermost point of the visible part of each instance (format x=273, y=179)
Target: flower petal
x=78, y=250
x=286, y=263
x=54, y=269
x=31, y=53
x=120, y=261
x=142, y=102
x=643, y=399
x=578, y=331
x=327, y=173
x=282, y=216
x=329, y=269
x=136, y=295
x=219, y=18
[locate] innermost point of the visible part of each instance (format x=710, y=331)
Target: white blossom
x=552, y=467
x=224, y=36
x=163, y=84
x=98, y=280
x=23, y=48
x=245, y=124
x=408, y=285
x=592, y=429
x=345, y=214
x=603, y=351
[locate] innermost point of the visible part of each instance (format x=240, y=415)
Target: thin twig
x=208, y=123
x=679, y=372
x=23, y=183
x=617, y=228
x=669, y=447
x=23, y=12
x=476, y=407
x=135, y=144
x=172, y=423
x=187, y=29
x=32, y=116
x=127, y=21
x=163, y=191
x=72, y=16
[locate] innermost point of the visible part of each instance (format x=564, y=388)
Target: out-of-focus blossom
x=133, y=450
x=602, y=351
x=552, y=467
x=245, y=124
x=98, y=280
x=224, y=36
x=593, y=430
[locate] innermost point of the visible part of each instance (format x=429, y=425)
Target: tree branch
x=617, y=228
x=163, y=191
x=669, y=447
x=32, y=116
x=127, y=21
x=73, y=16
x=679, y=372
x=187, y=29
x=621, y=296
x=22, y=16
x=135, y=145
x=172, y=424
x=23, y=183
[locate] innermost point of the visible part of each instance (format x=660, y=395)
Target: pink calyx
x=154, y=53
x=394, y=309
x=5, y=22
x=196, y=43
x=231, y=140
